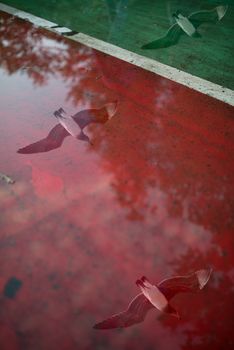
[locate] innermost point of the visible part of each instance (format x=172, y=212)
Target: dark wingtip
x=100, y=325
x=25, y=150
x=21, y=151
x=96, y=326
x=149, y=46
x=103, y=325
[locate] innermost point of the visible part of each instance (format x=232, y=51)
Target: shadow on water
x=154, y=196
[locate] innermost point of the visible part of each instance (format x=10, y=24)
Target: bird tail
x=203, y=277
x=111, y=108
x=221, y=11
x=146, y=282
x=61, y=110
x=59, y=113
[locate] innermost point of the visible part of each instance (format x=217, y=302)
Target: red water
x=153, y=196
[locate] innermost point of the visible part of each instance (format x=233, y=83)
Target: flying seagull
x=156, y=296
x=71, y=126
x=187, y=25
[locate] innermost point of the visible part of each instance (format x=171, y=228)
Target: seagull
x=71, y=126
x=187, y=25
x=156, y=296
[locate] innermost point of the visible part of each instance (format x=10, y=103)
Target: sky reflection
x=153, y=196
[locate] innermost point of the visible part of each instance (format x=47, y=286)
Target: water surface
x=153, y=196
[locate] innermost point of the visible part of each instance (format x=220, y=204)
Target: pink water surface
x=153, y=196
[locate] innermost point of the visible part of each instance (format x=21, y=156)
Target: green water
x=133, y=23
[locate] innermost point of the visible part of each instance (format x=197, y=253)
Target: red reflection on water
x=153, y=195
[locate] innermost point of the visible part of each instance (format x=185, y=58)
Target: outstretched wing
x=184, y=284
x=52, y=141
x=95, y=115
x=207, y=16
x=171, y=38
x=134, y=314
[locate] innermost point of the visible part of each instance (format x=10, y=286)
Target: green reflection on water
x=132, y=23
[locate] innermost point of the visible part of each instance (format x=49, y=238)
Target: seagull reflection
x=156, y=296
x=186, y=25
x=71, y=126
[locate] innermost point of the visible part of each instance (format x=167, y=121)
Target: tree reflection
x=145, y=149
x=168, y=151
x=42, y=55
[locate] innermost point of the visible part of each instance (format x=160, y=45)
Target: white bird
x=187, y=25
x=73, y=126
x=156, y=296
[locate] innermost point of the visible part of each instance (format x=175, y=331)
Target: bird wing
x=134, y=314
x=206, y=16
x=184, y=284
x=53, y=140
x=95, y=115
x=88, y=116
x=171, y=38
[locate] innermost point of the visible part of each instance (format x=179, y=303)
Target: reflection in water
x=186, y=25
x=73, y=126
x=156, y=296
x=41, y=56
x=117, y=10
x=6, y=178
x=146, y=198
